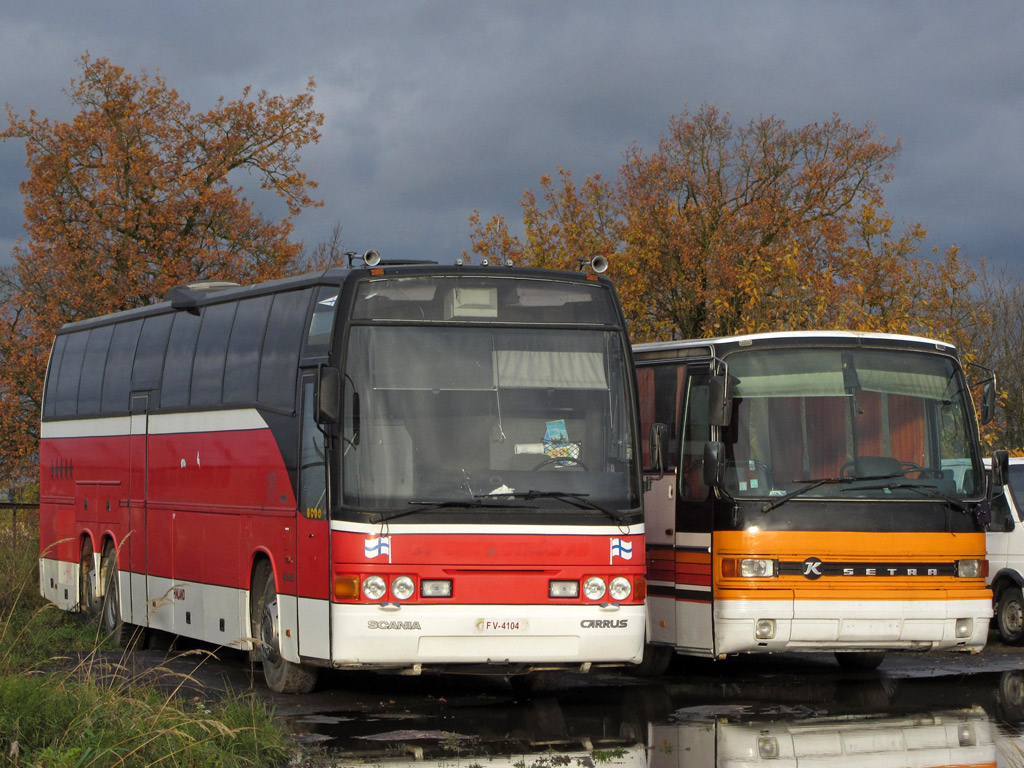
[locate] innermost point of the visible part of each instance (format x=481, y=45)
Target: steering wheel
x=555, y=460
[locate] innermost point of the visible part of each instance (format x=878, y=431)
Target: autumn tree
x=135, y=194
x=726, y=229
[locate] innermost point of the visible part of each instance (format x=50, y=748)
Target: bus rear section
x=388, y=468
x=812, y=492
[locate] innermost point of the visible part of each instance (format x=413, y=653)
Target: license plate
x=501, y=626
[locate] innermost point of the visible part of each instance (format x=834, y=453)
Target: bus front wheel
x=656, y=661
x=282, y=675
x=1010, y=616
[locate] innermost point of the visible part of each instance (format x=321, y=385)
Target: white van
x=1005, y=543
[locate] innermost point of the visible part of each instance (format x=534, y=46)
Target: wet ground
x=915, y=710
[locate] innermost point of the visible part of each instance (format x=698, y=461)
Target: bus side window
x=50, y=397
x=241, y=374
x=177, y=378
x=211, y=352
x=659, y=394
x=117, y=374
x=70, y=374
x=149, y=356
x=281, y=345
x=696, y=431
x=90, y=388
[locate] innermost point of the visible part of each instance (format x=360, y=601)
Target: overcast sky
x=433, y=109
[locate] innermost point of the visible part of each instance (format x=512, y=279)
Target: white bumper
x=813, y=625
x=481, y=634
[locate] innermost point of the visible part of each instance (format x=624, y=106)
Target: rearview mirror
x=659, y=448
x=328, y=396
x=713, y=451
x=719, y=401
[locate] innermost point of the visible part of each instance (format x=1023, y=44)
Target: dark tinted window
x=242, y=372
x=177, y=378
x=211, y=351
x=118, y=372
x=321, y=324
x=50, y=405
x=90, y=389
x=149, y=357
x=70, y=373
x=281, y=348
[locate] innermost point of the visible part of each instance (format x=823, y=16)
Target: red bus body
x=441, y=519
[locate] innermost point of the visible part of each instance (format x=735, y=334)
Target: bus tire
x=88, y=603
x=282, y=676
x=1010, y=616
x=113, y=625
x=861, y=660
x=655, y=662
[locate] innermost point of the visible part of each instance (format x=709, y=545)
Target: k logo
x=812, y=568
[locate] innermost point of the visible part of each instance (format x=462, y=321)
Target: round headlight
x=402, y=588
x=374, y=587
x=594, y=588
x=620, y=588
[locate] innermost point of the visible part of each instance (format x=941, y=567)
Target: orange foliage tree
x=727, y=229
x=135, y=194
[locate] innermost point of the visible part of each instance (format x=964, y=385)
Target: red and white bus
x=814, y=491
x=391, y=466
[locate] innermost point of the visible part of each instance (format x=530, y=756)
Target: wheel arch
x=1005, y=577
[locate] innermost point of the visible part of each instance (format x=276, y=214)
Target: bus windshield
x=852, y=424
x=456, y=413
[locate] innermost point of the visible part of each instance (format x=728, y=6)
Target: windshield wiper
x=578, y=500
x=415, y=507
x=925, y=490
x=809, y=485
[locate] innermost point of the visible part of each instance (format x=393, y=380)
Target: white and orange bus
x=388, y=466
x=812, y=491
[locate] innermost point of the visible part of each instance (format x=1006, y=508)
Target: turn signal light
x=346, y=587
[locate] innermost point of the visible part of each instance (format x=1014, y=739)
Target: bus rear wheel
x=862, y=660
x=282, y=676
x=112, y=623
x=88, y=604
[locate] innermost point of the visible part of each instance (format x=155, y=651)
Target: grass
x=62, y=706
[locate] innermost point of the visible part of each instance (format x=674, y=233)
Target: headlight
x=374, y=587
x=402, y=588
x=970, y=569
x=594, y=588
x=620, y=588
x=756, y=568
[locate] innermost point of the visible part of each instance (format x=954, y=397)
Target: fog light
x=374, y=587
x=964, y=627
x=620, y=588
x=402, y=588
x=563, y=589
x=764, y=629
x=594, y=588
x=965, y=734
x=756, y=568
x=767, y=747
x=436, y=588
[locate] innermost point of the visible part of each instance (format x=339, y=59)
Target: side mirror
x=1000, y=468
x=713, y=452
x=988, y=401
x=328, y=396
x=659, y=448
x=719, y=401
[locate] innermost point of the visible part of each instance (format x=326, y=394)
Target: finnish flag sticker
x=378, y=547
x=621, y=548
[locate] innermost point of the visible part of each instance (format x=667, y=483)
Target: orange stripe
x=848, y=545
